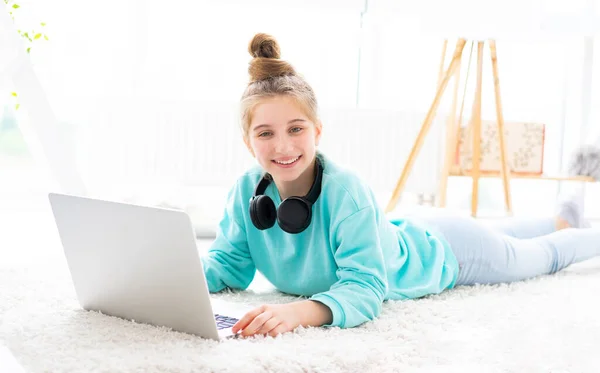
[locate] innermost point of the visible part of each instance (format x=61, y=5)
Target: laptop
x=139, y=263
x=8, y=362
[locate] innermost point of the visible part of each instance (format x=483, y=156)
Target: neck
x=300, y=186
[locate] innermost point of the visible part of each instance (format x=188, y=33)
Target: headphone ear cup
x=262, y=212
x=294, y=215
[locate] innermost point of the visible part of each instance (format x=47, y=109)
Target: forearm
x=314, y=313
x=223, y=271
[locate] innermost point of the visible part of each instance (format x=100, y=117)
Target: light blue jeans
x=512, y=249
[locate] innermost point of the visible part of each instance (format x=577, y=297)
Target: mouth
x=288, y=162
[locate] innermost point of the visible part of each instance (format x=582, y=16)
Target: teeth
x=288, y=162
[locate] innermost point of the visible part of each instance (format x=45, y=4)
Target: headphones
x=293, y=214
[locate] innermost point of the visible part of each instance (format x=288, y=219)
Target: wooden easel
x=453, y=128
x=473, y=132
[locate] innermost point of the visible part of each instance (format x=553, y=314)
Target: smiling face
x=283, y=140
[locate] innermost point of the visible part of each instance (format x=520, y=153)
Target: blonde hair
x=271, y=77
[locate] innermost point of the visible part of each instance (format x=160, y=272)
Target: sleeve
x=357, y=296
x=228, y=262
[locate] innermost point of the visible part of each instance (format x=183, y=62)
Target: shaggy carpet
x=548, y=324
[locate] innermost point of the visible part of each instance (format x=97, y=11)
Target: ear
x=247, y=142
x=318, y=130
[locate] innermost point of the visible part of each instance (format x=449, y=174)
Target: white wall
x=131, y=77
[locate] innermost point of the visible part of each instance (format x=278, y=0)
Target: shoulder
x=247, y=181
x=342, y=186
x=243, y=188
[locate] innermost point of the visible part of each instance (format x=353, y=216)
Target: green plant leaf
x=14, y=94
x=17, y=106
x=28, y=49
x=37, y=36
x=46, y=37
x=43, y=24
x=16, y=6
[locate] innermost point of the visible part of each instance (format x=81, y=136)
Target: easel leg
x=426, y=125
x=475, y=172
x=451, y=139
x=442, y=62
x=458, y=126
x=468, y=140
x=500, y=119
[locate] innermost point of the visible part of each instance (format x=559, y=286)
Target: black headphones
x=293, y=214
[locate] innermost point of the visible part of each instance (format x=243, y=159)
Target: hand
x=271, y=319
x=274, y=319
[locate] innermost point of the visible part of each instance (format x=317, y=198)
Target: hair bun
x=266, y=63
x=265, y=46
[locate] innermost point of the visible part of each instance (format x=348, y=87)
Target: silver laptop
x=139, y=263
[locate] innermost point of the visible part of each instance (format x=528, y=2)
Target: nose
x=284, y=144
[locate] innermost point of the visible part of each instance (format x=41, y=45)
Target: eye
x=296, y=129
x=264, y=134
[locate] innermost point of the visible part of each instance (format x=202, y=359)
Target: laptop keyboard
x=224, y=322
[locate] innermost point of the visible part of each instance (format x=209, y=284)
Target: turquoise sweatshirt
x=351, y=258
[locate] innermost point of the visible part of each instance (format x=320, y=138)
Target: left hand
x=270, y=319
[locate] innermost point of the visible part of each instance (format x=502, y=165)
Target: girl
x=314, y=229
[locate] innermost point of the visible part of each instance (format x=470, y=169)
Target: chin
x=285, y=175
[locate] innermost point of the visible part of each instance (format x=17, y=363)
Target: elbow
x=380, y=288
x=369, y=306
x=378, y=291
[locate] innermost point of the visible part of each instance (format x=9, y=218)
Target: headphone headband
x=263, y=184
x=315, y=189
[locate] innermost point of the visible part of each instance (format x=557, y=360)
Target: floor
x=548, y=324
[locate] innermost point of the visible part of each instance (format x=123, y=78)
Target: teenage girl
x=314, y=229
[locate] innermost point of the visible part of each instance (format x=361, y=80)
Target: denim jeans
x=512, y=249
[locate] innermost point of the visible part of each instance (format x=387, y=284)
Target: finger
x=269, y=325
x=246, y=319
x=279, y=329
x=257, y=323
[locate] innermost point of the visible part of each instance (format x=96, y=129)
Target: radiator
x=144, y=145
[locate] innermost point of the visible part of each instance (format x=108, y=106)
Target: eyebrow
x=268, y=125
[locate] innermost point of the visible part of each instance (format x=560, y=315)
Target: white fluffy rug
x=549, y=324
